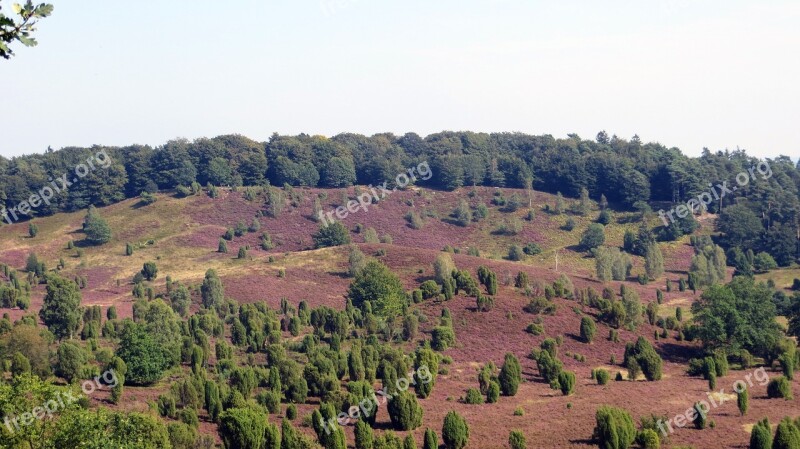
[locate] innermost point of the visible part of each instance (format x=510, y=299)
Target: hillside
x=181, y=235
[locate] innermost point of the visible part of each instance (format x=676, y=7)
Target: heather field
x=181, y=235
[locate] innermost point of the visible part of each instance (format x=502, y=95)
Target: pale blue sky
x=686, y=73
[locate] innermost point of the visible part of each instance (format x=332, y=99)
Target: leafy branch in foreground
x=21, y=29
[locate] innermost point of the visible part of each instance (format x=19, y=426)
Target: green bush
x=535, y=329
x=431, y=440
x=492, y=392
x=334, y=234
x=516, y=439
x=588, y=329
x=430, y=289
x=614, y=429
x=761, y=435
x=648, y=439
x=700, y=416
x=566, y=381
x=242, y=427
x=363, y=435
x=779, y=387
x=602, y=376
x=787, y=436
x=473, y=396
x=443, y=337
x=510, y=375
x=455, y=431
x=516, y=253
x=150, y=271
x=404, y=411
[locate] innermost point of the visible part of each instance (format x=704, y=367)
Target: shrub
x=535, y=329
x=379, y=286
x=510, y=375
x=363, y=435
x=492, y=392
x=431, y=440
x=602, y=376
x=430, y=289
x=540, y=305
x=593, y=237
x=242, y=427
x=150, y=271
x=787, y=436
x=761, y=435
x=516, y=439
x=532, y=249
x=566, y=380
x=588, y=329
x=96, y=228
x=443, y=337
x=455, y=431
x=604, y=218
x=404, y=411
x=743, y=401
x=614, y=429
x=516, y=253
x=334, y=234
x=473, y=396
x=779, y=387
x=648, y=439
x=700, y=416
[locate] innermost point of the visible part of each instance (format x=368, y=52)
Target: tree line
x=765, y=214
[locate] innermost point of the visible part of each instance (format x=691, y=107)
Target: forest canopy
x=627, y=173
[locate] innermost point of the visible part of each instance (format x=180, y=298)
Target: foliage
x=12, y=29
x=510, y=375
x=740, y=315
x=334, y=234
x=379, y=286
x=455, y=431
x=242, y=428
x=593, y=237
x=588, y=329
x=516, y=439
x=60, y=311
x=96, y=228
x=614, y=429
x=144, y=357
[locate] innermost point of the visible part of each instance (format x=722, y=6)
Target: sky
x=685, y=73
